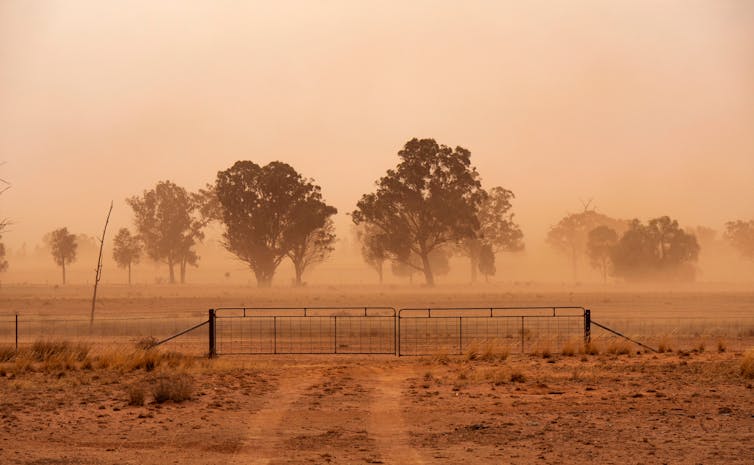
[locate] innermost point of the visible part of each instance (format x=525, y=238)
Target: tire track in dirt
x=328, y=424
x=265, y=427
x=386, y=421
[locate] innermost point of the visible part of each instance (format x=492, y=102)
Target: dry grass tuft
x=517, y=376
x=136, y=395
x=619, y=347
x=721, y=346
x=664, y=346
x=590, y=348
x=747, y=364
x=7, y=353
x=46, y=351
x=490, y=350
x=176, y=387
x=146, y=343
x=442, y=359
x=569, y=349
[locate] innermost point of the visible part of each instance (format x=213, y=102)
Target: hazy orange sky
x=645, y=106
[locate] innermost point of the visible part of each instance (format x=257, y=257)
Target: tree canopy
x=740, y=234
x=600, y=243
x=271, y=212
x=372, y=248
x=63, y=248
x=429, y=200
x=660, y=249
x=487, y=261
x=497, y=229
x=169, y=225
x=3, y=261
x=571, y=233
x=126, y=250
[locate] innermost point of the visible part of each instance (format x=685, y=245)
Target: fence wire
x=103, y=332
x=457, y=330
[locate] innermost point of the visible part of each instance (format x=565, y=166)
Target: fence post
x=460, y=335
x=397, y=323
x=587, y=326
x=16, y=333
x=212, y=334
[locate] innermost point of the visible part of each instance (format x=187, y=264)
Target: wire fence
x=735, y=334
x=21, y=331
x=380, y=330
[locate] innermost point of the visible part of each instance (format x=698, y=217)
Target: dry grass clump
x=590, y=348
x=7, y=353
x=721, y=346
x=65, y=355
x=517, y=376
x=176, y=387
x=569, y=349
x=664, y=346
x=747, y=364
x=46, y=351
x=139, y=359
x=136, y=396
x=500, y=376
x=619, y=347
x=490, y=350
x=146, y=343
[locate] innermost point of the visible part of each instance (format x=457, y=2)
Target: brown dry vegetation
x=67, y=402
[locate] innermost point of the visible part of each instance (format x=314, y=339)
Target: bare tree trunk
x=428, y=276
x=172, y=271
x=129, y=273
x=264, y=280
x=98, y=270
x=183, y=271
x=299, y=274
x=574, y=260
x=474, y=259
x=63, y=272
x=380, y=271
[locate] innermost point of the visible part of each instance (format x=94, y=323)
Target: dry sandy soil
x=685, y=407
x=666, y=408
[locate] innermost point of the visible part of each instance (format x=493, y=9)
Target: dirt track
x=641, y=409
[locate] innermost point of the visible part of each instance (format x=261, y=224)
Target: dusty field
x=694, y=408
x=692, y=405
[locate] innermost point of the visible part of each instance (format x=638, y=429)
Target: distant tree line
x=635, y=251
x=429, y=207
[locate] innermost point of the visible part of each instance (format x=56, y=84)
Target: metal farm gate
x=310, y=330
x=432, y=331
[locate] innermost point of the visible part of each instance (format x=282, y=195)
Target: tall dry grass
x=747, y=364
x=46, y=356
x=489, y=350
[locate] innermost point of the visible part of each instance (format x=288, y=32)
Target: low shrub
x=176, y=387
x=135, y=395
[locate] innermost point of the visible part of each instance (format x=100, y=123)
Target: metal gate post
x=212, y=334
x=587, y=326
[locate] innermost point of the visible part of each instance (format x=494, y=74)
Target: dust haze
x=629, y=108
